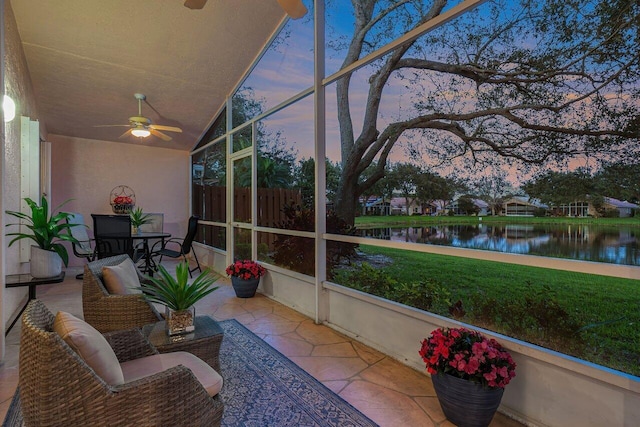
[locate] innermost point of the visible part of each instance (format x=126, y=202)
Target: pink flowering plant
x=246, y=269
x=467, y=354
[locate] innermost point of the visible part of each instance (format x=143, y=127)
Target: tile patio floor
x=388, y=392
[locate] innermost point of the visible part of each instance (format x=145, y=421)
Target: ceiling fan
x=294, y=8
x=141, y=126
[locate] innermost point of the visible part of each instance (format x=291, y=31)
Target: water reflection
x=617, y=245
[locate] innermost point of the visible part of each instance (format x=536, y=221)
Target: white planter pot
x=45, y=263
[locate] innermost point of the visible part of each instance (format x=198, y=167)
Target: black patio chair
x=112, y=235
x=180, y=248
x=83, y=248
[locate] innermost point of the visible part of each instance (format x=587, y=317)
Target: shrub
x=367, y=279
x=539, y=212
x=609, y=213
x=424, y=294
x=297, y=254
x=538, y=317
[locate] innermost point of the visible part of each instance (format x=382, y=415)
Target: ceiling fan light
x=294, y=8
x=140, y=133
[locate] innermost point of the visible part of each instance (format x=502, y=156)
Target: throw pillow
x=90, y=345
x=121, y=279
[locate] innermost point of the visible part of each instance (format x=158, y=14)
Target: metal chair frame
x=185, y=246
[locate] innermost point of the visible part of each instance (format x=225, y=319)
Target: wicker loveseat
x=107, y=312
x=58, y=388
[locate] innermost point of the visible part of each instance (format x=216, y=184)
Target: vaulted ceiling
x=87, y=58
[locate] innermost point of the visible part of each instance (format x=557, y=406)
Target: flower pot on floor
x=244, y=288
x=469, y=373
x=44, y=263
x=465, y=403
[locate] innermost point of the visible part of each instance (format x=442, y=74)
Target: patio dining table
x=144, y=237
x=138, y=241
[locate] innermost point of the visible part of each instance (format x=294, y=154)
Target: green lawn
x=611, y=306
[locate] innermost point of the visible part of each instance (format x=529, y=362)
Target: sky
x=287, y=69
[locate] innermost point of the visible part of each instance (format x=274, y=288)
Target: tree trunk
x=347, y=196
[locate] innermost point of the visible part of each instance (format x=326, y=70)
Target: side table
x=204, y=342
x=20, y=280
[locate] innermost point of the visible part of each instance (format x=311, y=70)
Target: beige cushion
x=90, y=345
x=121, y=279
x=146, y=366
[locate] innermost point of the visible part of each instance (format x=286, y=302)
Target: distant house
x=432, y=208
x=483, y=207
x=375, y=206
x=575, y=209
x=399, y=207
x=517, y=206
x=520, y=206
x=585, y=208
x=625, y=209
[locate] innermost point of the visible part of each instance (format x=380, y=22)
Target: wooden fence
x=210, y=204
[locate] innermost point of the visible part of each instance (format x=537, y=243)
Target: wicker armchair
x=58, y=388
x=107, y=312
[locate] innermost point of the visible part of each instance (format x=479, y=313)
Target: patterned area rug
x=263, y=388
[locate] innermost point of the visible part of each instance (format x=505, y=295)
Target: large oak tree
x=531, y=82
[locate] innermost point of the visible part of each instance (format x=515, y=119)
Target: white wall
x=17, y=85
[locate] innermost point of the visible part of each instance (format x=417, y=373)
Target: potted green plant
x=469, y=373
x=47, y=231
x=178, y=296
x=138, y=218
x=245, y=277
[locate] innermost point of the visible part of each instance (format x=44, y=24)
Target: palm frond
x=176, y=292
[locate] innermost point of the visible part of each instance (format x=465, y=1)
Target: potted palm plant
x=48, y=231
x=138, y=218
x=178, y=296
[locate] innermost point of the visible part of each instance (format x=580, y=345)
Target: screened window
x=209, y=182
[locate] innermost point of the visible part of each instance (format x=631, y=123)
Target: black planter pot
x=465, y=403
x=244, y=288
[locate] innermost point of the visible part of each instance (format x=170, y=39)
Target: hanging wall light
x=9, y=108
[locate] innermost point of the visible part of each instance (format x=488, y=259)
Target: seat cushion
x=146, y=366
x=121, y=279
x=90, y=345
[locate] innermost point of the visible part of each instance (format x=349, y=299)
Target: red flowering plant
x=467, y=354
x=246, y=269
x=123, y=200
x=122, y=204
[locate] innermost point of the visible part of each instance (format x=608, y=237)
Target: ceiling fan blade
x=128, y=132
x=195, y=4
x=159, y=134
x=294, y=8
x=166, y=128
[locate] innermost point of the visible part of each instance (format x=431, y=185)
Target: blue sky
x=287, y=69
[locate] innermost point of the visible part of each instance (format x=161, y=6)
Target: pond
x=617, y=245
